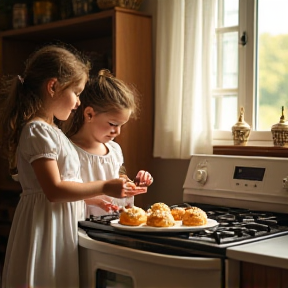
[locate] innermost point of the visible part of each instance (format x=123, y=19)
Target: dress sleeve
x=39, y=140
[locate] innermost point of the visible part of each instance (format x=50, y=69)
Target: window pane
x=272, y=68
x=231, y=8
x=224, y=110
x=226, y=61
x=230, y=60
x=227, y=11
x=225, y=65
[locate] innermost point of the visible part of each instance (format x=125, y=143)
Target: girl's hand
x=131, y=189
x=120, y=188
x=104, y=202
x=143, y=179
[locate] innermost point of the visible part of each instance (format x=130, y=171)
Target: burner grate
x=103, y=219
x=237, y=224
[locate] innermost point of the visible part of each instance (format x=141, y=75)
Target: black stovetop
x=236, y=226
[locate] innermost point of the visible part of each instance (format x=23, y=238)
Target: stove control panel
x=247, y=185
x=238, y=180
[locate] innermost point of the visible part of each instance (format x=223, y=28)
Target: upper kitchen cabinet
x=118, y=39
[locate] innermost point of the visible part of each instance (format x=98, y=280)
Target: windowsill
x=259, y=144
x=251, y=143
x=251, y=150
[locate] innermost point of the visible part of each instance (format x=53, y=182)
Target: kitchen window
x=213, y=57
x=250, y=67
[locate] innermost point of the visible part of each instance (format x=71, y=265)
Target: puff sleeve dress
x=42, y=249
x=102, y=167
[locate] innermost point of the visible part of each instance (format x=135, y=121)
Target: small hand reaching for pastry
x=132, y=189
x=104, y=202
x=143, y=179
x=140, y=183
x=121, y=188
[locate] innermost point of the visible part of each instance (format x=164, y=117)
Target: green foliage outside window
x=273, y=78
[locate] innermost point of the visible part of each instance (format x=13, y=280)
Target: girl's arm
x=56, y=190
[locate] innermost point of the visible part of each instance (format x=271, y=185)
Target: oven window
x=108, y=279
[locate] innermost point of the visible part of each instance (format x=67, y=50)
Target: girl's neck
x=44, y=117
x=90, y=145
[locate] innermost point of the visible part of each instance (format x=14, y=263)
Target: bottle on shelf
x=20, y=15
x=66, y=9
x=44, y=11
x=82, y=7
x=6, y=7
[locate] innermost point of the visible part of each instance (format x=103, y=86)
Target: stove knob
x=201, y=176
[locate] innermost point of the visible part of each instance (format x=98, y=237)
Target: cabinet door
x=133, y=64
x=255, y=275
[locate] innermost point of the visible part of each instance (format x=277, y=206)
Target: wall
x=169, y=175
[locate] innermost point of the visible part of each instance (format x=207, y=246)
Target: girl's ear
x=51, y=86
x=88, y=113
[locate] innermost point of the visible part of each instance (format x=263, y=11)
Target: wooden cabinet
x=255, y=275
x=119, y=39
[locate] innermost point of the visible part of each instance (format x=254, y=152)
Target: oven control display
x=249, y=173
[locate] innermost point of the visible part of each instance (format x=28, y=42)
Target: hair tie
x=106, y=73
x=21, y=79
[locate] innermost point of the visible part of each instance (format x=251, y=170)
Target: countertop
x=271, y=252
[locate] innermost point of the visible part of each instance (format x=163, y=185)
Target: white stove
x=247, y=196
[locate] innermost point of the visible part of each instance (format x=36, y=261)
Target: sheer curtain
x=183, y=75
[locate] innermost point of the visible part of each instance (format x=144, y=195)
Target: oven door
x=104, y=265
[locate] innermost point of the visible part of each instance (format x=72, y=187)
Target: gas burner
x=229, y=234
x=103, y=219
x=181, y=205
x=226, y=217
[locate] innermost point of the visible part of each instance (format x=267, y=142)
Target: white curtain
x=183, y=75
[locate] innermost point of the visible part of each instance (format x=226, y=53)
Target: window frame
x=246, y=79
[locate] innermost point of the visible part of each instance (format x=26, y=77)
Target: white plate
x=178, y=227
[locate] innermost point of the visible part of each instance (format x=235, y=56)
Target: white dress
x=106, y=167
x=42, y=249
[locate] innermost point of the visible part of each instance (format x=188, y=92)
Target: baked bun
x=194, y=216
x=133, y=216
x=178, y=213
x=159, y=206
x=160, y=218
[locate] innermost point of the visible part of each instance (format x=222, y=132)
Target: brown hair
x=21, y=96
x=104, y=93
